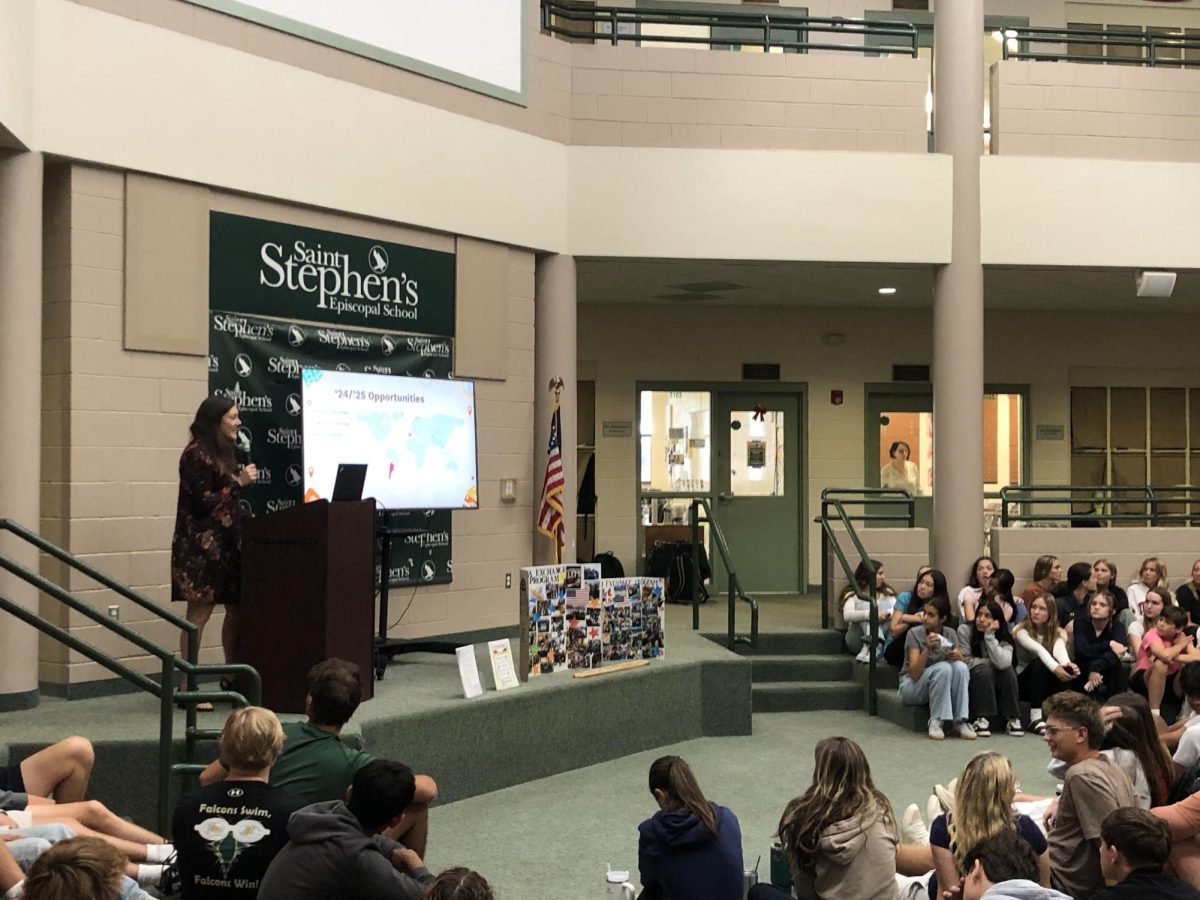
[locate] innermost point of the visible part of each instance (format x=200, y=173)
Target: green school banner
x=287, y=271
x=256, y=363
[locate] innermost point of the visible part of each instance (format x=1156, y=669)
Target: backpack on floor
x=672, y=562
x=610, y=566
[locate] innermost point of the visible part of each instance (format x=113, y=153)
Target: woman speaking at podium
x=206, y=549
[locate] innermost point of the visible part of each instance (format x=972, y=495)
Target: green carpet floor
x=550, y=839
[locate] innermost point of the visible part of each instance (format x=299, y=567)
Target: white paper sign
x=468, y=672
x=503, y=670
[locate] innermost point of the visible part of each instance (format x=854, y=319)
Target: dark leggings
x=1036, y=683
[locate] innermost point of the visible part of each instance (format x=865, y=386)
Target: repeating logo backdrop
x=256, y=362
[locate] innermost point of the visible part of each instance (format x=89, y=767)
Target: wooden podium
x=308, y=593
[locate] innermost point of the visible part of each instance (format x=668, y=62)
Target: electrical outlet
x=508, y=579
x=114, y=612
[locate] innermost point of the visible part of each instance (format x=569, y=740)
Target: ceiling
x=817, y=284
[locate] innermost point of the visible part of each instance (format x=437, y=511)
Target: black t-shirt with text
x=226, y=834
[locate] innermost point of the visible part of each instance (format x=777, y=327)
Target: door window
x=674, y=435
x=756, y=457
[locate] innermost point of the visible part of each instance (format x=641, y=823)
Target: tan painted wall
x=115, y=420
x=1107, y=112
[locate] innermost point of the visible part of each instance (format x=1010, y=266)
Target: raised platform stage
x=553, y=723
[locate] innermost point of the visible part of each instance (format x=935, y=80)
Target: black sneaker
x=168, y=883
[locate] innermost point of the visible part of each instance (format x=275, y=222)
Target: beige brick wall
x=628, y=95
x=1083, y=110
x=114, y=422
x=675, y=97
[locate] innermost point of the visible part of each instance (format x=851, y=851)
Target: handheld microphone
x=242, y=450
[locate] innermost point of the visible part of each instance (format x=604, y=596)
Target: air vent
x=707, y=287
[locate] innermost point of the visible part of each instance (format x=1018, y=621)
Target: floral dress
x=206, y=549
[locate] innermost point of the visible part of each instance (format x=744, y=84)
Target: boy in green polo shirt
x=316, y=765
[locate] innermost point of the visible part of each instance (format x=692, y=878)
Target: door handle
x=725, y=497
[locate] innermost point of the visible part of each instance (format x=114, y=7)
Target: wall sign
x=1050, y=432
x=289, y=271
x=617, y=428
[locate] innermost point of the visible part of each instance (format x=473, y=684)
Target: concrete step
x=817, y=667
x=804, y=641
x=886, y=678
x=892, y=708
x=803, y=696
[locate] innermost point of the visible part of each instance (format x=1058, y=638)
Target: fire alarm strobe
x=1155, y=284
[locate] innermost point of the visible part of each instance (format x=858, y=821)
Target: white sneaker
x=981, y=727
x=935, y=730
x=966, y=732
x=945, y=796
x=864, y=655
x=1014, y=728
x=933, y=808
x=912, y=827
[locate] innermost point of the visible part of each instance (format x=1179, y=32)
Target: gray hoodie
x=329, y=855
x=855, y=860
x=1020, y=889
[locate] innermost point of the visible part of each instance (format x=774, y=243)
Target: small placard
x=756, y=454
x=1050, y=432
x=468, y=672
x=503, y=671
x=617, y=428
x=695, y=443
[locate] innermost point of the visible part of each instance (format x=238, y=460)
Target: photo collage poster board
x=578, y=620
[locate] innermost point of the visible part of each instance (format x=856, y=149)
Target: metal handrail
x=1153, y=497
x=1152, y=42
x=164, y=689
x=836, y=499
x=735, y=591
x=769, y=23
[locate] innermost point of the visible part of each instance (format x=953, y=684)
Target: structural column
x=555, y=357
x=958, y=294
x=20, y=409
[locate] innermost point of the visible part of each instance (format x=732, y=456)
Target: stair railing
x=833, y=509
x=701, y=512
x=169, y=663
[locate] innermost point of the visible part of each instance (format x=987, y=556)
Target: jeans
x=943, y=685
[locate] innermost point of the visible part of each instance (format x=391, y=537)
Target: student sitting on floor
x=347, y=849
x=1003, y=867
x=1153, y=604
x=909, y=611
x=458, y=884
x=983, y=807
x=839, y=836
x=1160, y=655
x=968, y=598
x=1153, y=573
x=1043, y=666
x=691, y=847
x=856, y=610
x=1134, y=848
x=82, y=868
x=934, y=673
x=1093, y=786
x=27, y=844
x=223, y=855
x=60, y=773
x=987, y=648
x=317, y=766
x=1097, y=642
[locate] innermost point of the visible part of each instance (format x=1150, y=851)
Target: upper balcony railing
x=768, y=30
x=1098, y=45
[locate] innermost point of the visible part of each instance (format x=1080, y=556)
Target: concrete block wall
x=1097, y=111
x=1018, y=548
x=115, y=421
x=901, y=550
x=675, y=97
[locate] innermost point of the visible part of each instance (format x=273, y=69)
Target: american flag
x=550, y=518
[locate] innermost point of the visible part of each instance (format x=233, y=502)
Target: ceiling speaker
x=1155, y=284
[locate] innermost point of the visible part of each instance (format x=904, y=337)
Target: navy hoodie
x=678, y=854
